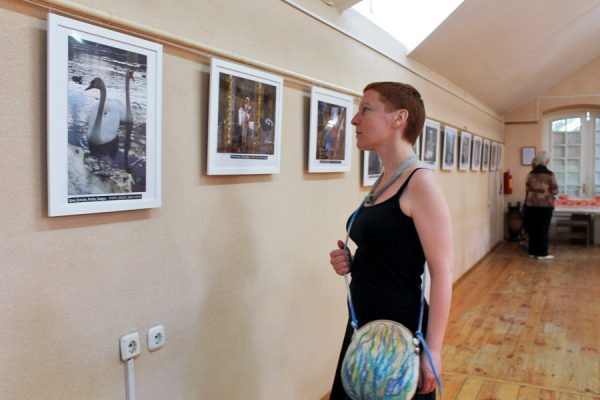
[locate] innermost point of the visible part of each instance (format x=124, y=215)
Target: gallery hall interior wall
x=236, y=267
x=525, y=124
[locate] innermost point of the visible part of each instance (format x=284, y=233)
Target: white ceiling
x=505, y=52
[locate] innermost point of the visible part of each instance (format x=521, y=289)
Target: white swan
x=105, y=117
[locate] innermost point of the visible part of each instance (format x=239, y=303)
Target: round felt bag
x=381, y=362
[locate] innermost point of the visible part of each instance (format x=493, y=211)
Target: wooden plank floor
x=522, y=328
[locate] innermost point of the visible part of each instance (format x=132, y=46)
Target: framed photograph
x=244, y=120
x=527, y=155
x=330, y=139
x=104, y=119
x=476, y=153
x=430, y=139
x=485, y=155
x=417, y=147
x=464, y=157
x=499, y=157
x=449, y=150
x=493, y=159
x=372, y=167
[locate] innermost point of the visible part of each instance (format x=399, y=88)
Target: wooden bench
x=575, y=227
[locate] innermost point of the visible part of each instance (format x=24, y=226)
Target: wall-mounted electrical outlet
x=156, y=337
x=130, y=345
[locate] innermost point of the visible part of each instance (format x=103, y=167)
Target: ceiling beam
x=341, y=5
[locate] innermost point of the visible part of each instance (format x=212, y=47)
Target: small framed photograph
x=372, y=167
x=476, y=153
x=330, y=139
x=417, y=147
x=449, y=150
x=485, y=155
x=430, y=139
x=499, y=164
x=493, y=154
x=464, y=157
x=527, y=155
x=244, y=120
x=104, y=119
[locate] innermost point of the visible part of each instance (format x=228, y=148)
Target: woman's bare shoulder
x=422, y=187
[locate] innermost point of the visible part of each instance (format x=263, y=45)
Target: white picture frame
x=372, y=167
x=330, y=132
x=244, y=120
x=417, y=147
x=104, y=107
x=464, y=156
x=493, y=154
x=499, y=164
x=485, y=155
x=527, y=155
x=430, y=141
x=476, y=153
x=449, y=148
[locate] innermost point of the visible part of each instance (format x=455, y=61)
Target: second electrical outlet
x=156, y=337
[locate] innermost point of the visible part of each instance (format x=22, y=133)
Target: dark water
x=89, y=60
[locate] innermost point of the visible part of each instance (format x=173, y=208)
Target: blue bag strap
x=354, y=322
x=419, y=333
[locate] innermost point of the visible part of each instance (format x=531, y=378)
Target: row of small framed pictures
x=245, y=111
x=104, y=121
x=474, y=153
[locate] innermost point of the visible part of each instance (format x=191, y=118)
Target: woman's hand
x=427, y=382
x=340, y=259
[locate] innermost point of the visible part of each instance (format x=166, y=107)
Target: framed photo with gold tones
x=244, y=122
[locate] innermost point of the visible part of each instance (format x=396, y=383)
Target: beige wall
x=525, y=124
x=519, y=136
x=236, y=268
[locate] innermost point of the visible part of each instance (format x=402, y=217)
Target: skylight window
x=409, y=21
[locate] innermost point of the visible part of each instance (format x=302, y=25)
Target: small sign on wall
x=527, y=155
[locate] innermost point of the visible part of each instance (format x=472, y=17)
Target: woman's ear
x=401, y=117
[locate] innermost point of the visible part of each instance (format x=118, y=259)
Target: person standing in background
x=541, y=189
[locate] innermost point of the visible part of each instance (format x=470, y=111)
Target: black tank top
x=387, y=265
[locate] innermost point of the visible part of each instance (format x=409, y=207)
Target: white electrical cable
x=130, y=374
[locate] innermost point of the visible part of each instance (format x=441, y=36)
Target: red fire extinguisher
x=507, y=183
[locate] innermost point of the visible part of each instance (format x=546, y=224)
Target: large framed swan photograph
x=104, y=119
